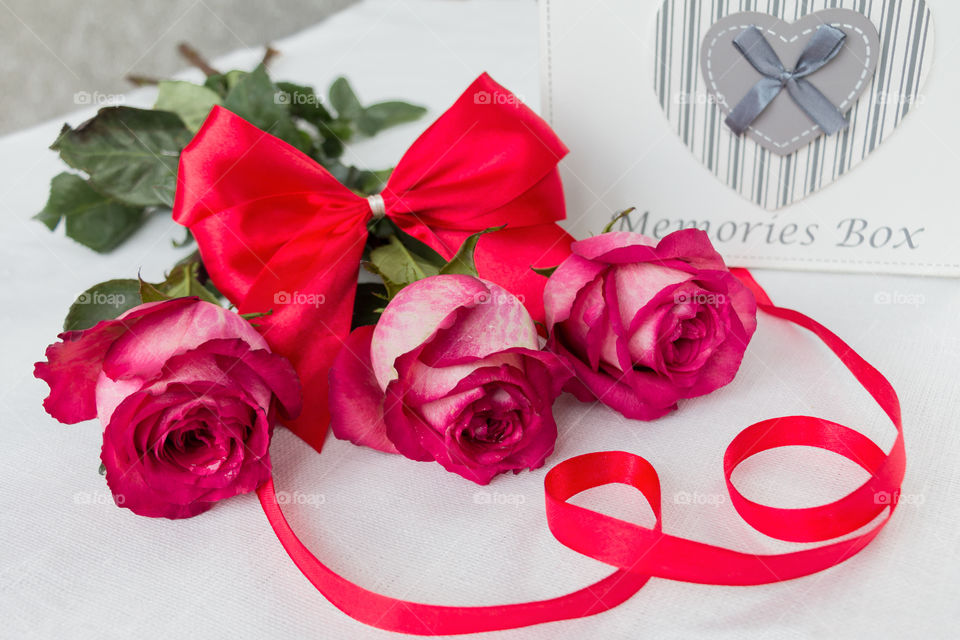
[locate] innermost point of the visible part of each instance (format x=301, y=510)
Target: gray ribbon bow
x=822, y=48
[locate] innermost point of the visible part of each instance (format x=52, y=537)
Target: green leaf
x=234, y=77
x=256, y=99
x=258, y=314
x=218, y=84
x=104, y=301
x=463, y=262
x=334, y=135
x=417, y=248
x=397, y=264
x=130, y=154
x=102, y=470
x=182, y=282
x=545, y=272
x=166, y=194
x=303, y=102
x=616, y=218
x=384, y=115
x=371, y=182
x=344, y=100
x=392, y=288
x=150, y=292
x=404, y=260
x=92, y=219
x=192, y=102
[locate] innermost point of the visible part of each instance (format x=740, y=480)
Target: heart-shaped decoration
x=874, y=80
x=783, y=127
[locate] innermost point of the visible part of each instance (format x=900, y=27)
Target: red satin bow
x=639, y=553
x=277, y=231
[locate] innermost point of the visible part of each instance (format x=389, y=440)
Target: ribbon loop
x=826, y=43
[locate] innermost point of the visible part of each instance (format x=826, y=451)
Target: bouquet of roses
x=483, y=312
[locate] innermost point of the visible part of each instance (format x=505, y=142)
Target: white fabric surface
x=74, y=565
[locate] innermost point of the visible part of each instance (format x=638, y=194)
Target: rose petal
x=416, y=312
x=654, y=399
x=141, y=353
x=248, y=367
x=423, y=432
x=150, y=482
x=638, y=283
x=693, y=246
x=423, y=310
x=587, y=325
x=428, y=383
x=74, y=365
x=499, y=322
x=565, y=284
x=687, y=249
x=356, y=400
x=598, y=246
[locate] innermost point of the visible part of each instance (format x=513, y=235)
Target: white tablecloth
x=74, y=565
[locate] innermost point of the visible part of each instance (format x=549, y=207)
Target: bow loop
x=824, y=45
x=277, y=232
x=758, y=52
x=467, y=169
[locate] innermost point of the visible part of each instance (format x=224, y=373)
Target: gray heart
x=784, y=127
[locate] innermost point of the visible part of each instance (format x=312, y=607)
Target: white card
x=633, y=88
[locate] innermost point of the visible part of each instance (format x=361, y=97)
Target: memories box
x=818, y=135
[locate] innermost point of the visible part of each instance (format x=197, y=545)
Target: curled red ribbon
x=639, y=553
x=278, y=232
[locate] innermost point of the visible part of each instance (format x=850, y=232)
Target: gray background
x=53, y=53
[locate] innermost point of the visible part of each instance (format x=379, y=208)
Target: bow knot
x=269, y=219
x=823, y=47
x=378, y=207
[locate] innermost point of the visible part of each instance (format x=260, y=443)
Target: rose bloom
x=452, y=372
x=645, y=324
x=188, y=394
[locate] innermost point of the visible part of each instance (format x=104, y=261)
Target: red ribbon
x=640, y=553
x=277, y=231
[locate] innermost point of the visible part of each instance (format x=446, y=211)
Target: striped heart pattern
x=875, y=81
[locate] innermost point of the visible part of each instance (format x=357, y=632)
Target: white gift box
x=628, y=85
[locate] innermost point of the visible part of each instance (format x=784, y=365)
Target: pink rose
x=645, y=325
x=188, y=394
x=452, y=372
